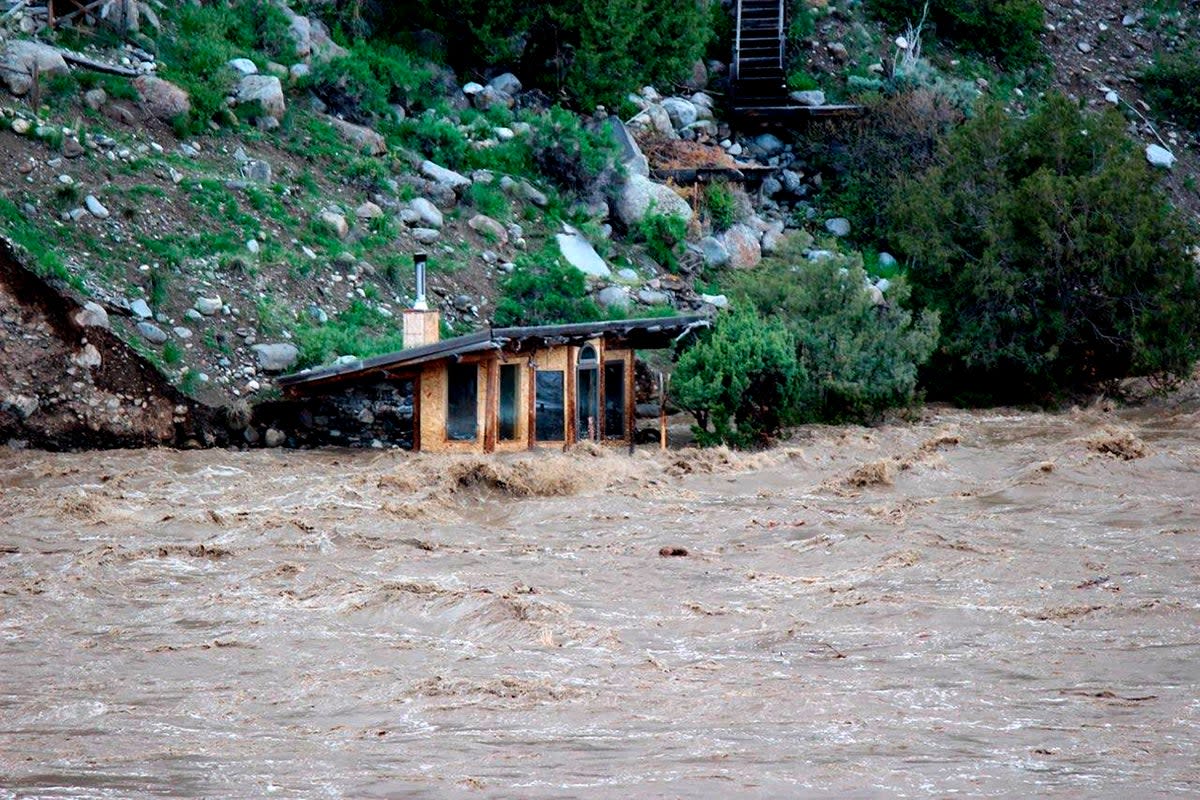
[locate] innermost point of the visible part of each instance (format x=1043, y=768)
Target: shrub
x=742, y=381
x=543, y=290
x=1005, y=31
x=861, y=358
x=1053, y=257
x=362, y=85
x=571, y=155
x=360, y=331
x=722, y=207
x=1171, y=83
x=664, y=235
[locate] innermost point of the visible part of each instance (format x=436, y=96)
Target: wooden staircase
x=758, y=86
x=759, y=81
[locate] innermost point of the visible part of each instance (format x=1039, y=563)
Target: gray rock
x=24, y=405
x=507, y=83
x=813, y=97
x=208, y=306
x=887, y=260
x=640, y=194
x=463, y=302
x=444, y=177
x=317, y=314
x=614, y=297
x=92, y=315
x=627, y=274
x=492, y=97
x=771, y=186
x=22, y=59
x=653, y=297
x=1083, y=46
x=426, y=235
x=141, y=309
x=472, y=88
x=528, y=192
x=838, y=226
x=488, y=227
x=299, y=72
x=193, y=315
x=276, y=357
x=368, y=211
x=772, y=239
x=715, y=300
x=742, y=242
x=182, y=332
x=274, y=438
x=427, y=212
x=682, y=112
x=579, y=253
x=88, y=357
x=791, y=180
x=768, y=144
x=151, y=332
x=95, y=207
x=1159, y=156
x=335, y=222
x=365, y=140
x=161, y=99
x=243, y=66
x=714, y=252
x=257, y=170
x=266, y=91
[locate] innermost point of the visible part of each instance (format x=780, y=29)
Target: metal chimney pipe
x=420, y=304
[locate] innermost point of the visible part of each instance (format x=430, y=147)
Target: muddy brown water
x=980, y=604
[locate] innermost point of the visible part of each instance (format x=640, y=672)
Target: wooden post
x=491, y=403
x=531, y=404
x=630, y=400
x=571, y=379
x=663, y=383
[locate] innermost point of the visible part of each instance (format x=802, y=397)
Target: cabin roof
x=635, y=333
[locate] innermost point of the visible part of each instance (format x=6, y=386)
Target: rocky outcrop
x=640, y=195
x=22, y=62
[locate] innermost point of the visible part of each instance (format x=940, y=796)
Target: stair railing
x=737, y=46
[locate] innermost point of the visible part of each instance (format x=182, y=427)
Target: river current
x=988, y=604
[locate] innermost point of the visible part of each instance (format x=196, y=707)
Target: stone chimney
x=421, y=324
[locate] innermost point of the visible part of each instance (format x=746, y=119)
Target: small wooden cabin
x=501, y=389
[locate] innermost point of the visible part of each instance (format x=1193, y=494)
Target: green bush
x=359, y=331
x=361, y=86
x=1004, y=31
x=570, y=154
x=663, y=235
x=543, y=290
x=1053, y=257
x=722, y=207
x=742, y=381
x=860, y=358
x=1171, y=85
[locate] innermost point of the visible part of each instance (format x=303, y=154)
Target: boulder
x=208, y=306
x=715, y=300
x=140, y=309
x=161, y=99
x=1159, y=156
x=276, y=357
x=426, y=235
x=264, y=90
x=151, y=332
x=22, y=59
x=682, y=112
x=95, y=207
x=640, y=194
x=335, y=222
x=887, y=261
x=614, y=297
x=714, y=252
x=488, y=227
x=813, y=97
x=363, y=138
x=524, y=190
x=444, y=177
x=368, y=211
x=742, y=242
x=243, y=66
x=579, y=253
x=838, y=226
x=491, y=97
x=427, y=213
x=507, y=83
x=92, y=315
x=653, y=297
x=767, y=145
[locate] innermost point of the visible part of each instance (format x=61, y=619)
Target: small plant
x=1171, y=83
x=663, y=235
x=489, y=199
x=172, y=353
x=722, y=206
x=159, y=283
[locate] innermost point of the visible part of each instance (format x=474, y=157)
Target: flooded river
x=985, y=604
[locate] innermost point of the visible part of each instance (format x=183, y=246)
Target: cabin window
x=509, y=403
x=587, y=395
x=462, y=402
x=550, y=406
x=614, y=400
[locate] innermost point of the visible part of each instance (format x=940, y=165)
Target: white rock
x=244, y=66
x=95, y=207
x=22, y=59
x=742, y=242
x=838, y=226
x=426, y=212
x=141, y=309
x=266, y=91
x=208, y=306
x=716, y=300
x=640, y=194
x=579, y=253
x=444, y=177
x=1160, y=157
x=92, y=315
